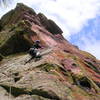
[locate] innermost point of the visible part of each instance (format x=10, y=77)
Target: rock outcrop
x=63, y=73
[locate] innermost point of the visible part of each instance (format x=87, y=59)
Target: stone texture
x=50, y=25
x=63, y=73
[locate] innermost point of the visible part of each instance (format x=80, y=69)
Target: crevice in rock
x=66, y=51
x=16, y=77
x=1, y=28
x=13, y=45
x=64, y=72
x=98, y=84
x=44, y=94
x=75, y=65
x=92, y=66
x=20, y=91
x=1, y=57
x=84, y=82
x=16, y=74
x=14, y=90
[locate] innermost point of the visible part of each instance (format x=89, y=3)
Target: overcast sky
x=79, y=20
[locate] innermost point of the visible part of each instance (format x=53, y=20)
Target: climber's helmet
x=37, y=41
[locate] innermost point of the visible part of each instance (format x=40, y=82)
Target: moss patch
x=48, y=67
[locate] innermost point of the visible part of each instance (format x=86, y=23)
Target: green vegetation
x=48, y=67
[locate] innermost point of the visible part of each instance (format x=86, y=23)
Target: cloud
x=70, y=15
x=91, y=45
x=5, y=9
x=88, y=38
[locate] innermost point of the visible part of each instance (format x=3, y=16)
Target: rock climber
x=34, y=51
x=37, y=44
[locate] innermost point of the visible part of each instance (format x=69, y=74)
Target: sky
x=79, y=20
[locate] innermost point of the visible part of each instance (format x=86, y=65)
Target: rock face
x=17, y=23
x=63, y=73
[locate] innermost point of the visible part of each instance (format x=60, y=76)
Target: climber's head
x=37, y=41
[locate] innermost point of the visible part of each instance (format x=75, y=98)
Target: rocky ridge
x=63, y=73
